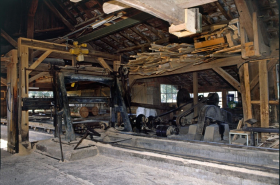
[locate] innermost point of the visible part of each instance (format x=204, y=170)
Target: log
x=95, y=111
x=84, y=112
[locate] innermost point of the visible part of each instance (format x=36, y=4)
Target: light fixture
x=75, y=1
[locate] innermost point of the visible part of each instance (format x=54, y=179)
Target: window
x=235, y=93
x=168, y=93
x=40, y=94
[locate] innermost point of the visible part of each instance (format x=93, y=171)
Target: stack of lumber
x=163, y=59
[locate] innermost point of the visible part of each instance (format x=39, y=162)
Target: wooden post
x=12, y=107
x=224, y=98
x=247, y=91
x=243, y=93
x=264, y=93
x=116, y=65
x=23, y=93
x=195, y=92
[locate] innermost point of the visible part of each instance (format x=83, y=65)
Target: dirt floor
x=40, y=169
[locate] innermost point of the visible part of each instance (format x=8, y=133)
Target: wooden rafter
x=8, y=38
x=58, y=14
x=227, y=77
x=228, y=16
x=30, y=20
x=4, y=81
x=135, y=30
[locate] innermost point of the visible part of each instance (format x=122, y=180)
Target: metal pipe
x=54, y=61
x=69, y=78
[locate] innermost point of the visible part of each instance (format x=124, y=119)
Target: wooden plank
x=207, y=43
x=243, y=41
x=239, y=125
x=243, y=94
x=270, y=102
x=227, y=77
x=39, y=60
x=247, y=90
x=4, y=81
x=35, y=77
x=5, y=59
x=58, y=14
x=116, y=65
x=104, y=64
x=245, y=18
x=8, y=38
x=195, y=93
x=264, y=94
x=270, y=65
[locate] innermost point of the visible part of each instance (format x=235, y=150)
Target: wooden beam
x=104, y=64
x=227, y=77
x=245, y=18
x=270, y=102
x=167, y=10
x=61, y=49
x=8, y=38
x=135, y=30
x=204, y=18
x=223, y=11
x=264, y=93
x=5, y=59
x=192, y=3
x=222, y=62
x=270, y=65
x=256, y=35
x=247, y=90
x=161, y=41
x=39, y=60
x=35, y=77
x=4, y=81
x=58, y=14
x=195, y=93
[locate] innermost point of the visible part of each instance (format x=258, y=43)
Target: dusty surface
x=39, y=169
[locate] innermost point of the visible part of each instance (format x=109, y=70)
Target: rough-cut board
x=208, y=43
x=264, y=93
x=104, y=64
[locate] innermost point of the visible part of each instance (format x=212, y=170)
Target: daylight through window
x=168, y=93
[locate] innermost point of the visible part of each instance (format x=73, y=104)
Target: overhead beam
x=131, y=21
x=58, y=14
x=247, y=90
x=62, y=49
x=227, y=77
x=192, y=3
x=39, y=60
x=8, y=38
x=167, y=10
x=222, y=62
x=245, y=18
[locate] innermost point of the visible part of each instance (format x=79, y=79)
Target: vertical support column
x=70, y=135
x=224, y=98
x=195, y=93
x=12, y=106
x=243, y=93
x=116, y=65
x=264, y=93
x=23, y=93
x=247, y=91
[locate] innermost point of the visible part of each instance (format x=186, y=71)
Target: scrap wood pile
x=272, y=140
x=221, y=41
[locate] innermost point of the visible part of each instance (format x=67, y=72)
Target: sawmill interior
x=139, y=92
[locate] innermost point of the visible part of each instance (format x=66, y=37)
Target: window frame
x=166, y=93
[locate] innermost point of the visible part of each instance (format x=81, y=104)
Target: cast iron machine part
x=166, y=130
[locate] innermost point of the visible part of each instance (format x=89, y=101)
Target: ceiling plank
x=223, y=11
x=131, y=21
